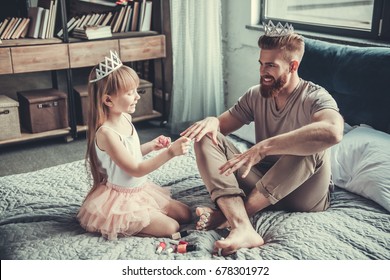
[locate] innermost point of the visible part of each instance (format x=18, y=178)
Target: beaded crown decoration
x=109, y=65
x=277, y=30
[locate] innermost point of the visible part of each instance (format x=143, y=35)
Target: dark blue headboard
x=357, y=77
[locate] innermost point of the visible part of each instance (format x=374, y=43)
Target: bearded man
x=296, y=122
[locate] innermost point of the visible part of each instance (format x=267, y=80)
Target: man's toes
x=202, y=210
x=200, y=225
x=199, y=211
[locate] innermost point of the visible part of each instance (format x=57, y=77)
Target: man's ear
x=107, y=100
x=294, y=65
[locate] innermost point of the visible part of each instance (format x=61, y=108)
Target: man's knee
x=206, y=143
x=202, y=144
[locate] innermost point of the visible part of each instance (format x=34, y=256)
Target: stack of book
x=43, y=19
x=91, y=32
x=78, y=22
x=14, y=28
x=135, y=15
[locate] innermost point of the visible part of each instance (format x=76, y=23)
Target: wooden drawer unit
x=5, y=61
x=90, y=53
x=40, y=58
x=142, y=48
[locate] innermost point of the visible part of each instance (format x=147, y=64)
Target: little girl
x=122, y=201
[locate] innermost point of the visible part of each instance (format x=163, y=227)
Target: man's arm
x=325, y=130
x=228, y=123
x=210, y=126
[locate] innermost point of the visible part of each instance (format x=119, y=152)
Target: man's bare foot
x=210, y=219
x=239, y=238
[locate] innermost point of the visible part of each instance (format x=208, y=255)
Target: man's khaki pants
x=293, y=183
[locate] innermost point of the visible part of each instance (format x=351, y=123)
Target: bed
x=38, y=209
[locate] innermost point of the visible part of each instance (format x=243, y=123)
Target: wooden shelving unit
x=27, y=137
x=35, y=55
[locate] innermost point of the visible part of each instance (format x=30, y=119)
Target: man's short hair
x=292, y=44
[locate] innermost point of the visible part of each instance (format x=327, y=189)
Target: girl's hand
x=180, y=146
x=161, y=142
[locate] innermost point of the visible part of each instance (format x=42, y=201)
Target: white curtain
x=197, y=61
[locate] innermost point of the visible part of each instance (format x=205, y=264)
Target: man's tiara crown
x=277, y=30
x=109, y=65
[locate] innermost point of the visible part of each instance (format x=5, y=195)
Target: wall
x=241, y=53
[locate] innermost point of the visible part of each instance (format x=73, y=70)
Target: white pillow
x=361, y=164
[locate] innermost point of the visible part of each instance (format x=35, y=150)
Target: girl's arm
x=109, y=141
x=156, y=144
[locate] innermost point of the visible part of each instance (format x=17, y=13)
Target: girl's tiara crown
x=109, y=65
x=277, y=30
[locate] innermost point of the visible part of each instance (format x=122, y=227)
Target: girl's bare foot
x=239, y=238
x=210, y=219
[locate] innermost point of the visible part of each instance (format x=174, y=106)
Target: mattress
x=38, y=222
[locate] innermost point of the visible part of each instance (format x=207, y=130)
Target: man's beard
x=268, y=91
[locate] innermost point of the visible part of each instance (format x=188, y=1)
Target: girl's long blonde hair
x=121, y=80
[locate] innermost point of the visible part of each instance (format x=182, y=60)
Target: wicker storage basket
x=9, y=118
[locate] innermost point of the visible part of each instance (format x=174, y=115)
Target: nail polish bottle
x=160, y=247
x=179, y=235
x=171, y=249
x=184, y=248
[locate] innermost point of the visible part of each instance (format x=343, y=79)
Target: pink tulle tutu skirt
x=116, y=211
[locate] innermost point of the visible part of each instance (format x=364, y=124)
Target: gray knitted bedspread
x=38, y=209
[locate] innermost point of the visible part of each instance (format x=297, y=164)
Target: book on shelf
x=15, y=28
x=114, y=19
x=85, y=20
x=52, y=18
x=142, y=7
x=11, y=28
x=146, y=18
x=20, y=29
x=107, y=18
x=126, y=19
x=23, y=31
x=134, y=19
x=92, y=32
x=8, y=22
x=119, y=19
x=3, y=25
x=100, y=18
x=35, y=14
x=71, y=24
x=44, y=24
x=6, y=26
x=92, y=19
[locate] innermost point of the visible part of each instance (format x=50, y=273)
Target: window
x=360, y=19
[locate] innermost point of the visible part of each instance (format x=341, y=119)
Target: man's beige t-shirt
x=306, y=99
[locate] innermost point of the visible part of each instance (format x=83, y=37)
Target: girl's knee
x=171, y=227
x=186, y=215
x=180, y=212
